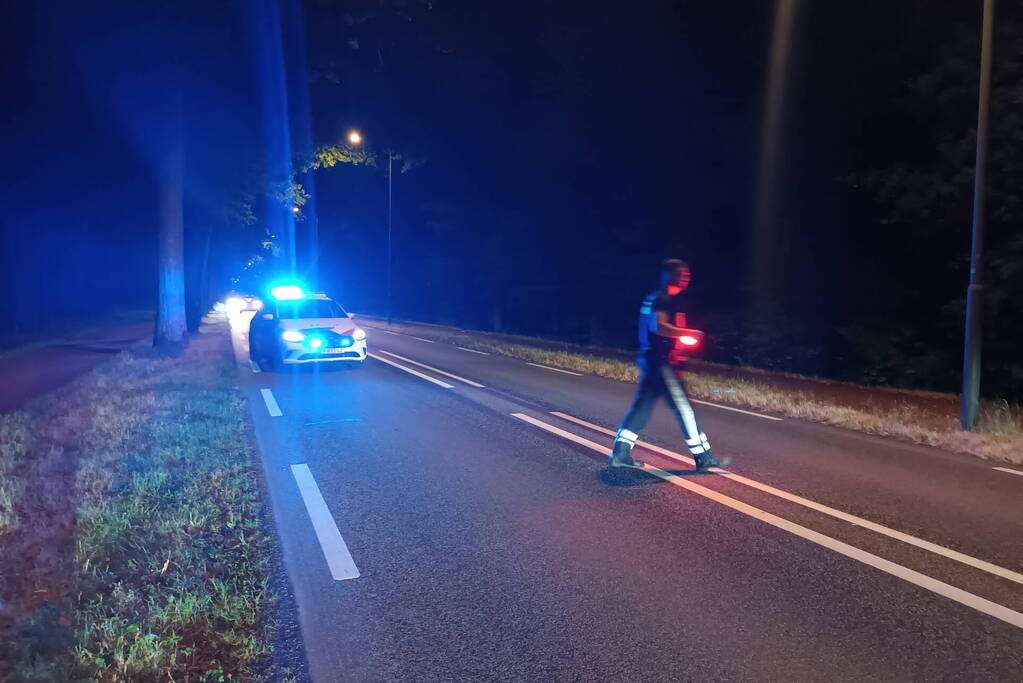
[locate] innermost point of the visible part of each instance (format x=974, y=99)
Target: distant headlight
x=292, y=336
x=359, y=335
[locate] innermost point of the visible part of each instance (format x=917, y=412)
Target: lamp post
x=970, y=407
x=355, y=139
x=390, y=176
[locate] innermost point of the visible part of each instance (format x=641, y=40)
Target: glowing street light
x=355, y=139
x=295, y=209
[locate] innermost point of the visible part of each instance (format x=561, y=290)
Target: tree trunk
x=171, y=327
x=203, y=283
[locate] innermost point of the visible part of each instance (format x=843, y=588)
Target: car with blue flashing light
x=295, y=327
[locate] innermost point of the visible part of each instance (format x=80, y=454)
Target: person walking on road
x=661, y=325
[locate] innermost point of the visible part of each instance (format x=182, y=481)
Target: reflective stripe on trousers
x=662, y=380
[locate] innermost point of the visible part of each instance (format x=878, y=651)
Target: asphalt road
x=436, y=530
x=37, y=370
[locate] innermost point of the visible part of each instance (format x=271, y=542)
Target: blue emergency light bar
x=287, y=292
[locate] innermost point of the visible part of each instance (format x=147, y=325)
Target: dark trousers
x=661, y=380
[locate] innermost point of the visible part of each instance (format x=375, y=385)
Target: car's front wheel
x=261, y=357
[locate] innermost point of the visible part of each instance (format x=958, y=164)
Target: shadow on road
x=300, y=369
x=622, y=476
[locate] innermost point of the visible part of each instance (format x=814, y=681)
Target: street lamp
x=390, y=175
x=355, y=139
x=970, y=402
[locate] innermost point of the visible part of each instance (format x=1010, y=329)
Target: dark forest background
x=550, y=155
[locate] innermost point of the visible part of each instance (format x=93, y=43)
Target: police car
x=295, y=327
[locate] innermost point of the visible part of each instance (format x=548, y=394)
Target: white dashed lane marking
x=430, y=367
x=736, y=410
x=1010, y=471
x=482, y=353
x=335, y=550
x=271, y=403
x=411, y=371
x=547, y=367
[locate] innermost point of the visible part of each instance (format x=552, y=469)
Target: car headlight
x=359, y=335
x=292, y=336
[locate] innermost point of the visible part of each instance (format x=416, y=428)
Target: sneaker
x=622, y=457
x=707, y=461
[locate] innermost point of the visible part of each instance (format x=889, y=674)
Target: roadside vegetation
x=131, y=527
x=903, y=414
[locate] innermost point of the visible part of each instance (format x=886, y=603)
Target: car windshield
x=310, y=308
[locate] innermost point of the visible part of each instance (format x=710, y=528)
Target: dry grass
x=14, y=442
x=999, y=438
x=161, y=571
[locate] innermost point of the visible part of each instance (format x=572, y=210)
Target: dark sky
x=616, y=137
x=568, y=147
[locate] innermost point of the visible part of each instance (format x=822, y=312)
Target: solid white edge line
x=819, y=507
x=547, y=367
x=951, y=592
x=412, y=372
x=254, y=366
x=334, y=548
x=482, y=353
x=271, y=403
x=736, y=410
x=428, y=341
x=1010, y=471
x=439, y=372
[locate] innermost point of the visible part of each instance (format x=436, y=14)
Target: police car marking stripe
x=334, y=548
x=905, y=573
x=271, y=403
x=830, y=511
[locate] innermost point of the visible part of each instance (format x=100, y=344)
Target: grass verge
x=999, y=438
x=132, y=526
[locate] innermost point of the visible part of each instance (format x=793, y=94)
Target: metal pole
x=390, y=175
x=974, y=294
